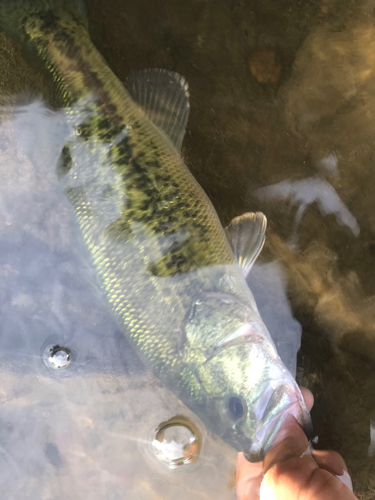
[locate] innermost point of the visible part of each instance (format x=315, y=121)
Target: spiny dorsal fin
x=164, y=97
x=246, y=235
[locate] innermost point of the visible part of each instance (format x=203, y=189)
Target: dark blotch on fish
x=53, y=455
x=64, y=163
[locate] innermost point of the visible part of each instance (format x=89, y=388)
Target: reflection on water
x=177, y=442
x=281, y=124
x=304, y=193
x=58, y=357
x=371, y=449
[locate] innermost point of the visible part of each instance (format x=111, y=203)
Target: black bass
x=175, y=279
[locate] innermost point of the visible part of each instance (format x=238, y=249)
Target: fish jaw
x=286, y=401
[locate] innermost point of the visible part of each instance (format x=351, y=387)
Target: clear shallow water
x=282, y=121
x=85, y=429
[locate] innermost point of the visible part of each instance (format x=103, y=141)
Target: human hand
x=291, y=472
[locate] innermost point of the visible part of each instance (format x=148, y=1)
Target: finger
x=248, y=478
x=290, y=469
x=308, y=397
x=330, y=460
x=301, y=479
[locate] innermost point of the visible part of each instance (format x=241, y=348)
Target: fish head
x=250, y=393
x=248, y=390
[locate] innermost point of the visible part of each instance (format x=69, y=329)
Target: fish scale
x=152, y=163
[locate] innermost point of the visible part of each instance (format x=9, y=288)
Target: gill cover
x=216, y=321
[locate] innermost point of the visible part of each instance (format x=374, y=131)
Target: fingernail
x=346, y=479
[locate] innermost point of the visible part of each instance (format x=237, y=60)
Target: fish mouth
x=285, y=402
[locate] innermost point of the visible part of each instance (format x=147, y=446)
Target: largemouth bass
x=175, y=279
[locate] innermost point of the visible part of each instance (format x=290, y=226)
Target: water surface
x=282, y=121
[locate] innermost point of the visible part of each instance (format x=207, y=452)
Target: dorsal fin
x=164, y=97
x=246, y=234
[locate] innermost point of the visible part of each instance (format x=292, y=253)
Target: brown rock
x=264, y=67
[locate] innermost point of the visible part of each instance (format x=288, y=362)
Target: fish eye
x=236, y=407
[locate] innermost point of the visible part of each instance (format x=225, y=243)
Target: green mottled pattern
x=145, y=219
x=157, y=244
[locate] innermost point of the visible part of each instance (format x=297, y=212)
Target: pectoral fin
x=164, y=97
x=246, y=234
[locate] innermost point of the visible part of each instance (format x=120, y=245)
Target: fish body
x=175, y=279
